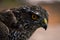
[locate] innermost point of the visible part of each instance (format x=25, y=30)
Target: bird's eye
x=34, y=17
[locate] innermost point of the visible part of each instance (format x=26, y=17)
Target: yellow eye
x=34, y=17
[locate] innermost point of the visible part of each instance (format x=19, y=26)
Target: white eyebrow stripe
x=37, y=13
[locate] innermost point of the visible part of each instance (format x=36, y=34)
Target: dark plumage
x=22, y=22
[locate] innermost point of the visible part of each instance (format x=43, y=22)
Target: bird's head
x=35, y=16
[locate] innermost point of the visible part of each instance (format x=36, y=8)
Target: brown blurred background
x=53, y=9
x=54, y=12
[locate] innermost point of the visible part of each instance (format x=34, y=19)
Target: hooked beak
x=44, y=24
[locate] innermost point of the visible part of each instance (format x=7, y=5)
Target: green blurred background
x=5, y=4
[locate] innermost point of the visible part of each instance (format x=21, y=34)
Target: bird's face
x=40, y=19
x=36, y=18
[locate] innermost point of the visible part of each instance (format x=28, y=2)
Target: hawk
x=20, y=23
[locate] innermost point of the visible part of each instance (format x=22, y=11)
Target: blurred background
x=53, y=9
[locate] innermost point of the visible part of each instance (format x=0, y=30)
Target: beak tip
x=45, y=27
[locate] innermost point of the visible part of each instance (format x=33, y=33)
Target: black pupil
x=34, y=16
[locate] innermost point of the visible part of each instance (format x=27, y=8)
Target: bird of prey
x=20, y=23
